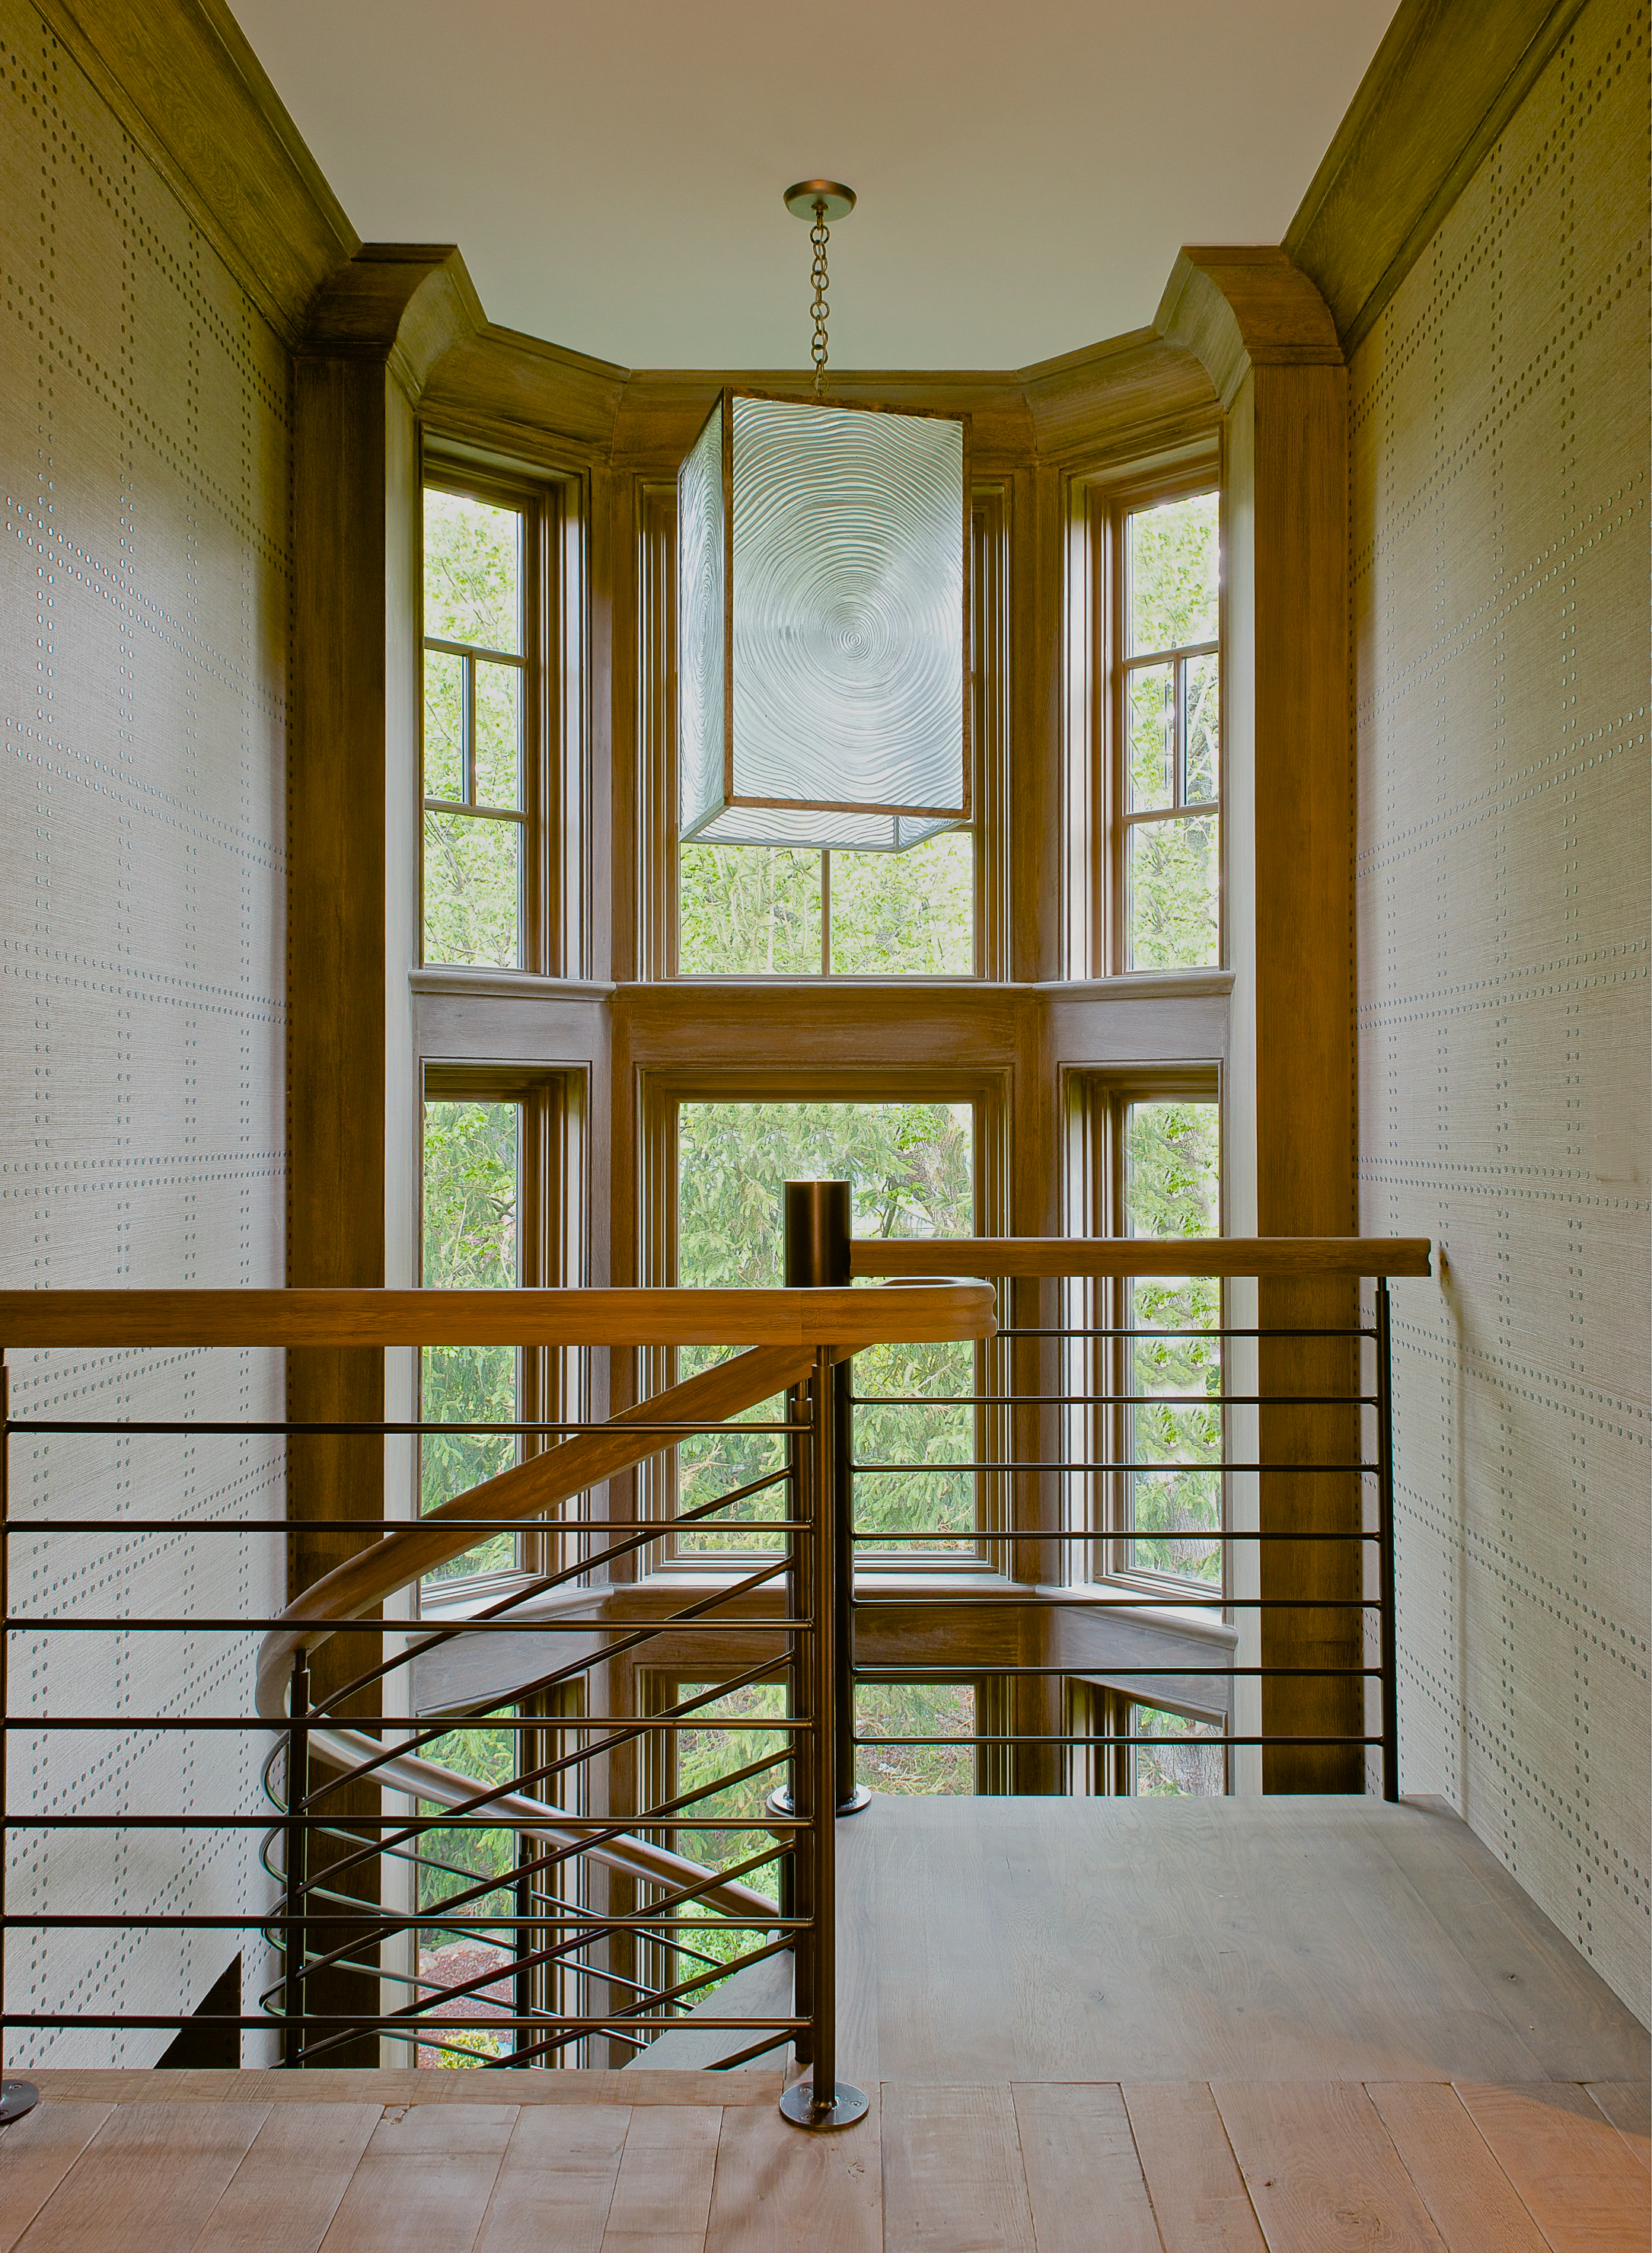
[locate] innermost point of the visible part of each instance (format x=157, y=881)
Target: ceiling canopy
x=613, y=173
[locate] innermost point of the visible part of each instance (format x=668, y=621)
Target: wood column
x=1269, y=344
x=372, y=331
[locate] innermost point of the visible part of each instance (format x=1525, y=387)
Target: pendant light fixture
x=823, y=613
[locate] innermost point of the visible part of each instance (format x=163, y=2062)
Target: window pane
x=912, y=1167
x=747, y=911
x=450, y=1863
x=1161, y=1771
x=1203, y=726
x=498, y=735
x=444, y=725
x=916, y=1709
x=1172, y=1187
x=472, y=571
x=911, y=913
x=702, y=1755
x=473, y=891
x=472, y=1197
x=1171, y=574
x=1172, y=903
x=1150, y=714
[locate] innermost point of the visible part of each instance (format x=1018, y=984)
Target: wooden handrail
x=365, y=1581
x=1271, y=1256
x=925, y=1313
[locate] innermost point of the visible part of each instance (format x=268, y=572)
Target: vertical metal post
x=295, y=1931
x=823, y=2101
x=16, y=2097
x=817, y=1223
x=1385, y=1541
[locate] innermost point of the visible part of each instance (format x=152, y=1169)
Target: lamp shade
x=822, y=627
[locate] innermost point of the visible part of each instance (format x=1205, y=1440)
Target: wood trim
x=1442, y=86
x=182, y=79
x=1141, y=1255
x=345, y=1318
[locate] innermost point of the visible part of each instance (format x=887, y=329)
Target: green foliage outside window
x=1172, y=861
x=473, y=730
x=916, y=1709
x=758, y=910
x=1172, y=1187
x=471, y=1193
x=1174, y=1771
x=911, y=1166
x=450, y=1861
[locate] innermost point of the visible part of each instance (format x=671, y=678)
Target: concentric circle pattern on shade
x=701, y=564
x=845, y=548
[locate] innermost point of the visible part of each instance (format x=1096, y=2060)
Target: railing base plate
x=849, y=2105
x=17, y=2097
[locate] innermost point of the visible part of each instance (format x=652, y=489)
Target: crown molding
x=1243, y=306
x=1445, y=81
x=183, y=80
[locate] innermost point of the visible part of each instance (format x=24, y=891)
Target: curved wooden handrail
x=363, y=1582
x=1273, y=1257
x=793, y=1325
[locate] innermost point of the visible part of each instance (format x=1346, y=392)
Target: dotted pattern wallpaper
x=1500, y=475
x=145, y=597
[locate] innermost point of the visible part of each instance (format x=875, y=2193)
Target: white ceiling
x=1026, y=169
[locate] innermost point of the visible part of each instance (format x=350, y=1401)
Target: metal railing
x=612, y=1932
x=1319, y=1416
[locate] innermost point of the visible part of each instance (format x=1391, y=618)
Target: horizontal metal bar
x=277, y=1820
x=430, y=1728
x=1117, y=1330
x=1032, y=1738
x=1113, y=1400
x=1166, y=1671
x=126, y=1427
x=983, y=1602
x=1271, y=1469
x=542, y=1526
x=429, y=1919
x=618, y=2021
x=1116, y=1533
x=474, y=649
x=172, y=1625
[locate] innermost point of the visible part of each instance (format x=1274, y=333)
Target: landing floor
x=1119, y=1940
x=700, y=2163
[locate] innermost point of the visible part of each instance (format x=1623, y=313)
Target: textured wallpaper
x=144, y=598
x=1501, y=531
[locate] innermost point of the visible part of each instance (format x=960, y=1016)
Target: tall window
x=493, y=1165
x=1163, y=575
x=1156, y=1160
x=912, y=1167
x=1142, y=1751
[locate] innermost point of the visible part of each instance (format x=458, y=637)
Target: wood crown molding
x=406, y=304
x=1242, y=307
x=183, y=80
x=1442, y=86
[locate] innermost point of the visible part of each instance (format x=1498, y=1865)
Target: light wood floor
x=702, y=2163
x=1009, y=1940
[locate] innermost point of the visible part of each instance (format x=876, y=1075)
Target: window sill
x=513, y=984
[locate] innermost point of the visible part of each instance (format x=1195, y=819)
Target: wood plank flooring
x=1093, y=1939
x=320, y=2163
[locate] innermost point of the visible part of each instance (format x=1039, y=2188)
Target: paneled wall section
x=145, y=586
x=1500, y=456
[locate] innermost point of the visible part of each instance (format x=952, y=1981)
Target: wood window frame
x=1096, y=1708
x=1097, y=824
x=662, y=1089
x=554, y=880
x=551, y=1381
x=1095, y=1099
x=657, y=888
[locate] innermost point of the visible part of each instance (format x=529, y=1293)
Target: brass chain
x=819, y=236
